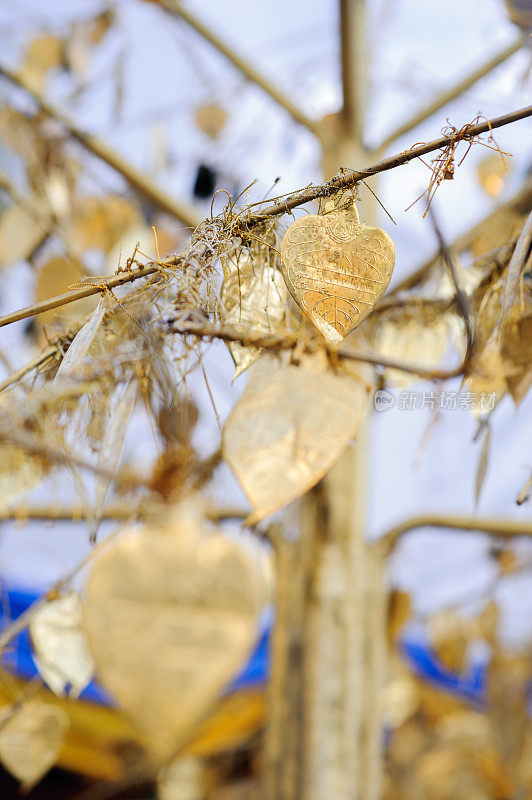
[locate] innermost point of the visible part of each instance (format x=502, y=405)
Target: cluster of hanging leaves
x=171, y=606
x=171, y=586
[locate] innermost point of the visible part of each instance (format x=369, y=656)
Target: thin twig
x=117, y=512
x=348, y=178
x=98, y=286
x=32, y=445
x=277, y=342
x=524, y=494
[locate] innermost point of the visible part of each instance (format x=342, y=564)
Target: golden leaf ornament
x=336, y=269
x=171, y=615
x=288, y=429
x=254, y=295
x=31, y=739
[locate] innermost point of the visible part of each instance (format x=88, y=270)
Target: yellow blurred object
x=492, y=172
x=99, y=737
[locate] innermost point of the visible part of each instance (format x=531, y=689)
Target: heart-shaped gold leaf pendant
x=170, y=616
x=288, y=429
x=336, y=269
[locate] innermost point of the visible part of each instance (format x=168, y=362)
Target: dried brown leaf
x=101, y=222
x=44, y=53
x=20, y=472
x=449, y=637
x=56, y=276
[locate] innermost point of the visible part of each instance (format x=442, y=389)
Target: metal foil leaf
x=486, y=375
x=31, y=738
x=44, y=53
x=101, y=222
x=20, y=234
x=211, y=118
x=81, y=342
x=415, y=341
x=19, y=473
x=253, y=294
x=170, y=616
x=60, y=648
x=336, y=269
x=288, y=429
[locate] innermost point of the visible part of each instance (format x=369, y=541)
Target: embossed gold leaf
x=336, y=269
x=288, y=429
x=253, y=294
x=31, y=738
x=170, y=616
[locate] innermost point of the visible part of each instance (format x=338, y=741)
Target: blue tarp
x=470, y=686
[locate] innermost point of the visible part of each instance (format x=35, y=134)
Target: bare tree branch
x=349, y=177
x=177, y=8
x=278, y=207
x=501, y=528
x=138, y=180
x=277, y=342
x=455, y=91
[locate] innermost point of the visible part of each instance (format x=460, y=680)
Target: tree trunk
x=328, y=649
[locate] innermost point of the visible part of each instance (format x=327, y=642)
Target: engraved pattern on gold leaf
x=336, y=269
x=287, y=430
